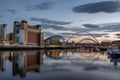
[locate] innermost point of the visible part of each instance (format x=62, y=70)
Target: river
x=56, y=65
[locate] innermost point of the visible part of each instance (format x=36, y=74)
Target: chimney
x=16, y=21
x=38, y=26
x=4, y=25
x=23, y=21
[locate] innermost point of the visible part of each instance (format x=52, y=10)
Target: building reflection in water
x=24, y=61
x=2, y=61
x=54, y=54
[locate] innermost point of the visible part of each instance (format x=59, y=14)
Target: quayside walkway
x=21, y=47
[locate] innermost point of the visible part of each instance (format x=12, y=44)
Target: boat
x=113, y=53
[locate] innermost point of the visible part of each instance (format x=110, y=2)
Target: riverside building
x=28, y=34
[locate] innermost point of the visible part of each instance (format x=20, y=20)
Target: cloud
x=104, y=6
x=61, y=28
x=67, y=34
x=99, y=35
x=83, y=34
x=11, y=11
x=106, y=36
x=47, y=34
x=118, y=34
x=47, y=21
x=94, y=34
x=90, y=26
x=1, y=16
x=107, y=27
x=41, y=6
x=67, y=31
x=111, y=27
x=82, y=20
x=117, y=37
x=54, y=27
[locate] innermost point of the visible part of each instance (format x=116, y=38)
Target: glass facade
x=20, y=36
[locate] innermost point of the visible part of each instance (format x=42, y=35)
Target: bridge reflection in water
x=23, y=62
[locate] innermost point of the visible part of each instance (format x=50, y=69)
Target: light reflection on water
x=44, y=64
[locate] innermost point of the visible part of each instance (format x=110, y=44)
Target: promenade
x=33, y=47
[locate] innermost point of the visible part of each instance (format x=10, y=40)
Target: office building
x=3, y=31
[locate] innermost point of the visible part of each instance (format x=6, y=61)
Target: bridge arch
x=87, y=39
x=94, y=38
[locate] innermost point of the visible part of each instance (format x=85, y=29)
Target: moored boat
x=113, y=53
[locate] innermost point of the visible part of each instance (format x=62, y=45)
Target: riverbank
x=20, y=47
x=32, y=47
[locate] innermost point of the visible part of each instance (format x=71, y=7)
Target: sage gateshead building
x=28, y=34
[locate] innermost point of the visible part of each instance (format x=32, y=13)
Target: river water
x=57, y=65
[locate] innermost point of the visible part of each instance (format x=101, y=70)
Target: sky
x=101, y=18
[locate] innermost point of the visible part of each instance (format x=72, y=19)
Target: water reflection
x=2, y=61
x=54, y=54
x=24, y=62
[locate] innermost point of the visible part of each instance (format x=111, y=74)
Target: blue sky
x=65, y=17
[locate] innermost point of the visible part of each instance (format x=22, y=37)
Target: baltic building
x=28, y=34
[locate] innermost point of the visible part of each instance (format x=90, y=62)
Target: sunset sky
x=101, y=18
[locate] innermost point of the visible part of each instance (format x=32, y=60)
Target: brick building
x=10, y=37
x=27, y=34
